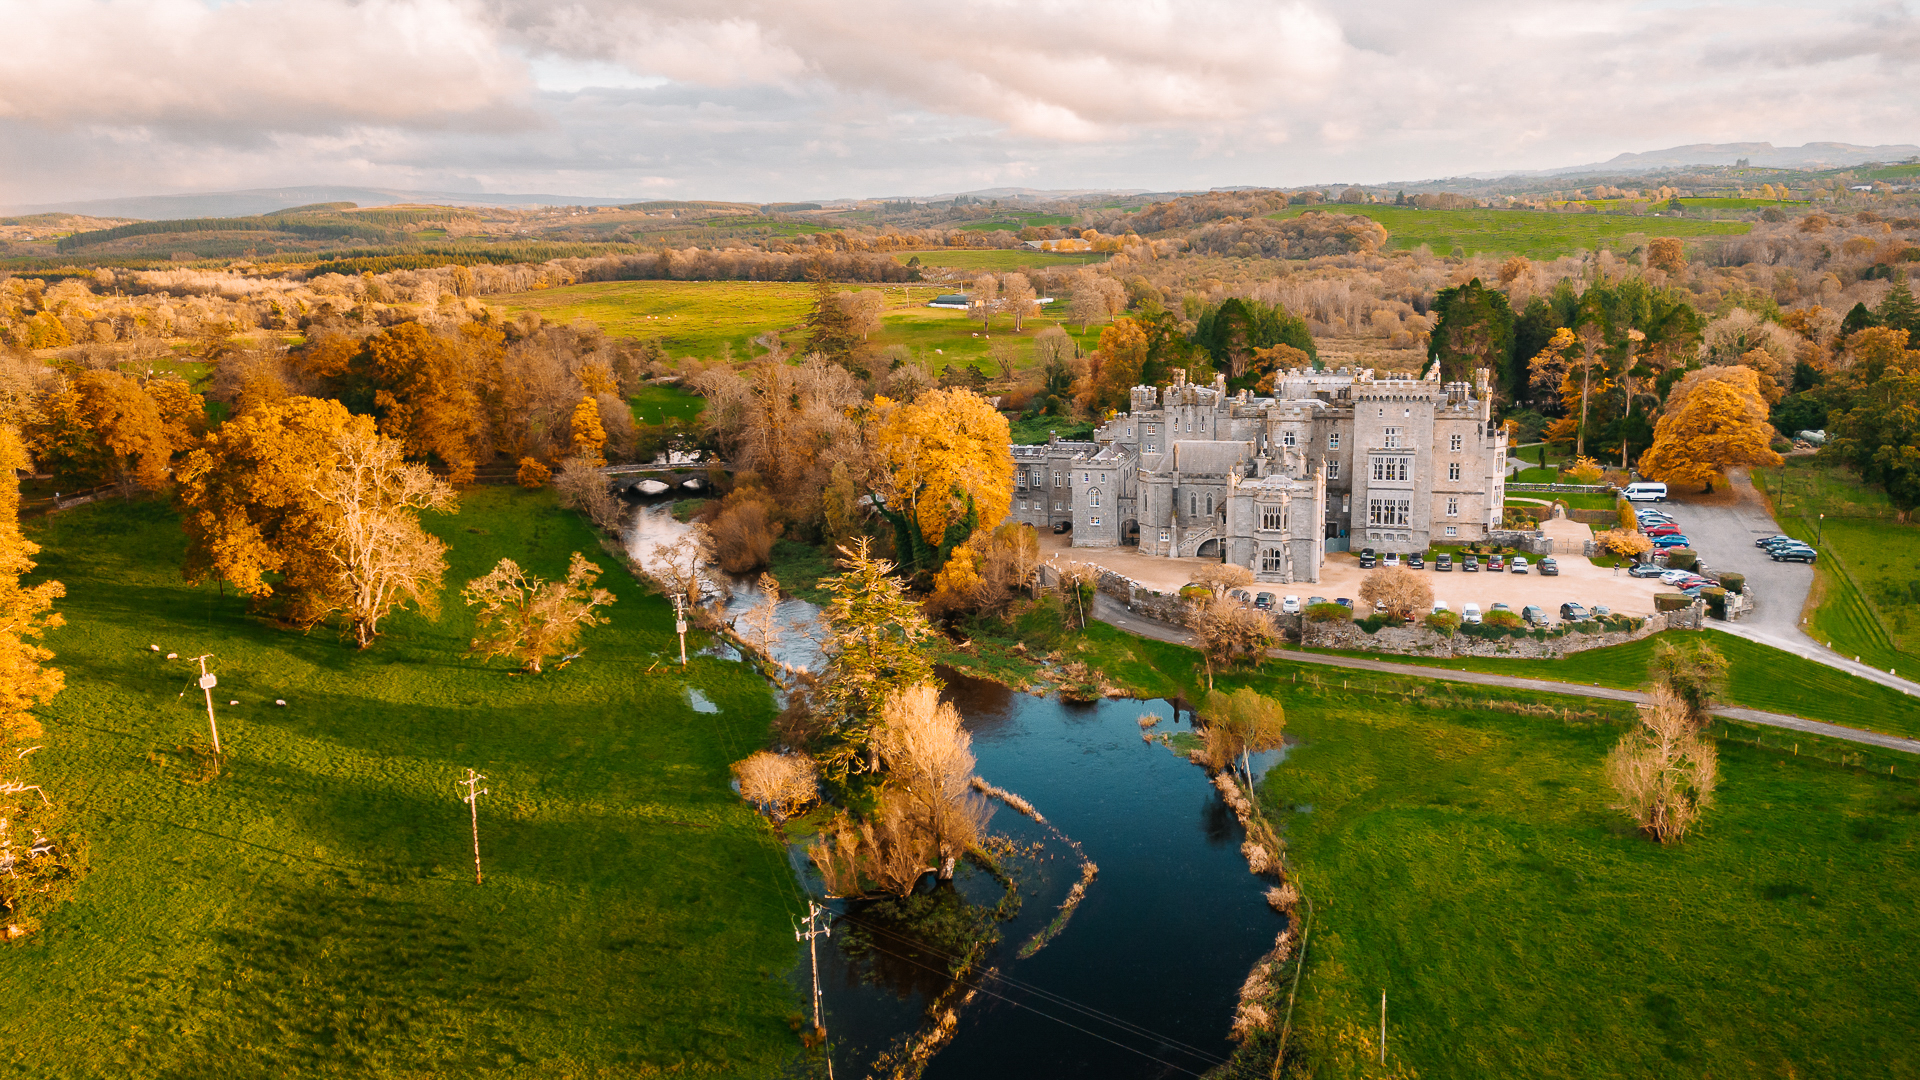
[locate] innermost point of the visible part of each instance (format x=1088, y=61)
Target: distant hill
x=214, y=204
x=1813, y=155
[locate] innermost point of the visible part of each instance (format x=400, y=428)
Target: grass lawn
x=1537, y=234
x=1034, y=430
x=1867, y=597
x=658, y=404
x=1761, y=677
x=1466, y=862
x=312, y=911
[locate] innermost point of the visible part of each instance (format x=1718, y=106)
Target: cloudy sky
x=796, y=99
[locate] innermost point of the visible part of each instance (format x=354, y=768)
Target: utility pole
x=207, y=683
x=1383, y=1027
x=814, y=911
x=472, y=799
x=680, y=627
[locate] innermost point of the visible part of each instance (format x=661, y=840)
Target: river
x=1144, y=979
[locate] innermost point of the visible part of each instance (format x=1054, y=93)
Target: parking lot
x=1580, y=582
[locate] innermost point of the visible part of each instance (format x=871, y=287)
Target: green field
x=1467, y=864
x=1892, y=172
x=997, y=260
x=1867, y=600
x=1732, y=202
x=1016, y=221
x=658, y=404
x=1761, y=677
x=697, y=317
x=312, y=911
x=1537, y=234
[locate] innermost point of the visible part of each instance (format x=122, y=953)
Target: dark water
x=1144, y=980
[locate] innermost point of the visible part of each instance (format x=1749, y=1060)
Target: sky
x=765, y=100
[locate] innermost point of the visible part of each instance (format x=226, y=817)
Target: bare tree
x=864, y=309
x=986, y=299
x=1663, y=771
x=1228, y=632
x=782, y=783
x=1006, y=356
x=929, y=761
x=381, y=557
x=530, y=618
x=763, y=618
x=1397, y=592
x=1051, y=345
x=1018, y=298
x=582, y=486
x=1222, y=577
x=676, y=566
x=1242, y=722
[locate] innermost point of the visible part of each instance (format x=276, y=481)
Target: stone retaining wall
x=1421, y=641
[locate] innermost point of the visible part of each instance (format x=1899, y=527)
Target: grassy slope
x=658, y=404
x=1761, y=677
x=1468, y=865
x=998, y=259
x=1537, y=234
x=312, y=911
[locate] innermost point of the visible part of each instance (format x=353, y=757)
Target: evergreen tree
x=829, y=327
x=1475, y=330
x=1898, y=311
x=1857, y=320
x=874, y=647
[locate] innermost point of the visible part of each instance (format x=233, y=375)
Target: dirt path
x=1109, y=610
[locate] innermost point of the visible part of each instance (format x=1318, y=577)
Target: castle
x=1396, y=464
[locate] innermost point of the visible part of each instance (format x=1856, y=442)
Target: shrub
x=1671, y=601
x=1629, y=519
x=1585, y=471
x=743, y=533
x=533, y=475
x=1683, y=558
x=1445, y=622
x=1329, y=613
x=1733, y=583
x=782, y=783
x=1195, y=592
x=1716, y=599
x=1372, y=623
x=1397, y=591
x=1506, y=620
x=1624, y=543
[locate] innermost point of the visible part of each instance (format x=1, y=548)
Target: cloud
x=761, y=99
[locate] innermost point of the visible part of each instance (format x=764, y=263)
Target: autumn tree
x=1695, y=672
x=589, y=440
x=1221, y=578
x=943, y=467
x=1239, y=723
x=1228, y=632
x=1663, y=770
x=1874, y=422
x=782, y=783
x=423, y=396
x=1096, y=297
x=1123, y=356
x=1720, y=424
x=1548, y=367
x=929, y=761
x=1397, y=592
x=582, y=486
x=105, y=427
x=1270, y=363
x=26, y=611
x=864, y=309
x=1667, y=253
x=875, y=648
x=984, y=299
x=533, y=474
x=308, y=502
x=530, y=618
x=1018, y=299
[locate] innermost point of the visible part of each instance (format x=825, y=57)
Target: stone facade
x=1421, y=641
x=1332, y=459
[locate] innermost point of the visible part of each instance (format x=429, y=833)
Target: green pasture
x=311, y=910
x=1016, y=221
x=1734, y=202
x=657, y=404
x=1466, y=862
x=1759, y=677
x=998, y=260
x=1892, y=172
x=1537, y=234
x=1867, y=597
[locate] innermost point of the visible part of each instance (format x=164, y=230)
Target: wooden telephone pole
x=680, y=627
x=472, y=799
x=814, y=911
x=207, y=683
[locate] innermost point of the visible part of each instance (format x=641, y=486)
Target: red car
x=1662, y=530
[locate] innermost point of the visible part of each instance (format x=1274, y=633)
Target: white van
x=1646, y=491
x=1470, y=613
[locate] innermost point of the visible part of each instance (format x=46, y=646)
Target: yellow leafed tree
x=25, y=611
x=944, y=468
x=589, y=436
x=1717, y=424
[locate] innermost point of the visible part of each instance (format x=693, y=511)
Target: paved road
x=1724, y=535
x=1109, y=610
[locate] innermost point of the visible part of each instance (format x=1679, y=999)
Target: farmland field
x=996, y=260
x=311, y=911
x=1536, y=234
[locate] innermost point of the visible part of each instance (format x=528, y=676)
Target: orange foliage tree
x=25, y=610
x=943, y=467
x=1718, y=423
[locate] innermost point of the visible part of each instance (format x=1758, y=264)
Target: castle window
x=1454, y=443
x=1086, y=478
x=1270, y=560
x=1333, y=469
x=1209, y=504
x=1453, y=507
x=1451, y=531
x=1286, y=438
x=1393, y=438
x=1388, y=511
x=1193, y=505
x=1059, y=479
x=1093, y=497
x=1149, y=448
x=1153, y=429
x=1270, y=518
x=1166, y=535
x=1333, y=440
x=1392, y=468
x=1453, y=470
x=1094, y=520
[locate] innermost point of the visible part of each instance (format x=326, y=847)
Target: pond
x=1143, y=980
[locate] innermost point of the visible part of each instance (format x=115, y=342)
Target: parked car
x=1774, y=539
x=1470, y=614
x=1651, y=515
x=1470, y=564
x=1062, y=527
x=1439, y=606
x=1572, y=612
x=1499, y=607
x=1671, y=542
x=1785, y=541
x=1661, y=530
x=1264, y=601
x=1549, y=568
x=1367, y=560
x=1442, y=563
x=1533, y=615
x=1645, y=569
x=1416, y=561
x=1344, y=601
x=1316, y=601
x=1519, y=565
x=1290, y=605
x=1601, y=611
x=1672, y=576
x=1646, y=491
x=1694, y=589
x=1795, y=554
x=1392, y=559
x=1496, y=563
